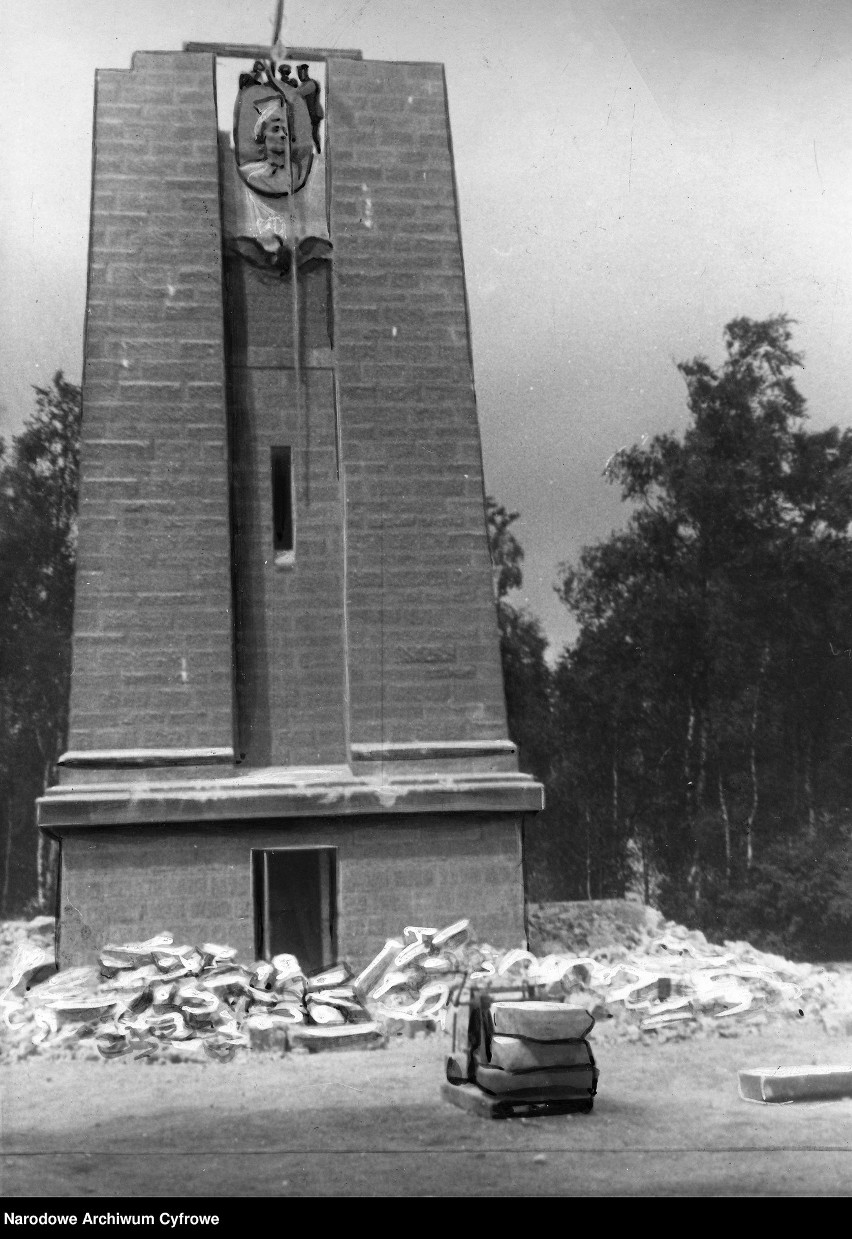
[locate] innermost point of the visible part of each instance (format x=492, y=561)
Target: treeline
x=696, y=740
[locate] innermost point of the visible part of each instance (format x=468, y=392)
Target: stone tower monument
x=287, y=721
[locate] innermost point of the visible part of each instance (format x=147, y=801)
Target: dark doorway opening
x=295, y=902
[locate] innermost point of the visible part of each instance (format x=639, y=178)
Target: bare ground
x=668, y=1121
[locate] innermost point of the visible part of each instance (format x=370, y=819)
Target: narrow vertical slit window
x=283, y=533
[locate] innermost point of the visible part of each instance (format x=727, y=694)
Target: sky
x=632, y=175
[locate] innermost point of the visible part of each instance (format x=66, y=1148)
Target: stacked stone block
x=422, y=631
x=152, y=624
x=390, y=875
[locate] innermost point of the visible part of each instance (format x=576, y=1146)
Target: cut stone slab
x=323, y=1013
x=328, y=979
x=517, y=1054
x=336, y=1037
x=786, y=1084
x=551, y=1084
x=376, y=969
x=539, y=1021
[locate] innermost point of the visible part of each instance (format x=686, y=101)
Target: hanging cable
x=278, y=53
x=277, y=23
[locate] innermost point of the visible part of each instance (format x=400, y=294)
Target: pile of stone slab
x=155, y=999
x=411, y=979
x=672, y=983
x=523, y=1052
x=675, y=984
x=146, y=998
x=161, y=1001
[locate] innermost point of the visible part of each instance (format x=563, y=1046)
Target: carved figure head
x=273, y=131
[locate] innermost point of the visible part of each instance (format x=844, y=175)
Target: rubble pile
x=39, y=931
x=642, y=975
x=672, y=983
x=150, y=998
x=164, y=1002
x=154, y=999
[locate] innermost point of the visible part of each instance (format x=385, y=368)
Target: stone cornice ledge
x=292, y=793
x=431, y=749
x=129, y=759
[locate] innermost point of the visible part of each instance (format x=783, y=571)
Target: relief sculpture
x=274, y=184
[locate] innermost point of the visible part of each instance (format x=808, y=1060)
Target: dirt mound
x=591, y=925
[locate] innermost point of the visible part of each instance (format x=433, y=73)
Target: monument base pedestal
x=322, y=863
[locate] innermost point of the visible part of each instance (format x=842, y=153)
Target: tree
x=506, y=553
x=526, y=676
x=527, y=680
x=38, y=499
x=715, y=713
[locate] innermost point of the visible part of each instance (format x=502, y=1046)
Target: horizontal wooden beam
x=255, y=51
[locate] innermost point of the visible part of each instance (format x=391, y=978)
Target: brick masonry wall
x=291, y=681
x=152, y=628
x=259, y=313
x=196, y=882
x=424, y=657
